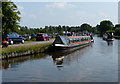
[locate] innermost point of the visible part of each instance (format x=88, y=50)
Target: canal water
x=97, y=62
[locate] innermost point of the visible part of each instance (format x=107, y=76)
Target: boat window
x=89, y=38
x=78, y=40
x=75, y=40
x=71, y=40
x=82, y=39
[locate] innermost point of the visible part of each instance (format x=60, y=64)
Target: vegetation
x=57, y=29
x=10, y=23
x=17, y=49
x=117, y=31
x=104, y=26
x=117, y=37
x=10, y=18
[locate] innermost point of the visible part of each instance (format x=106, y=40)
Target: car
x=27, y=36
x=14, y=37
x=33, y=36
x=42, y=36
x=51, y=35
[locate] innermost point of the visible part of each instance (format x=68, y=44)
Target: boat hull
x=71, y=41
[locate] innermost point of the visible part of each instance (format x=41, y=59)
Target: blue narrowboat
x=72, y=41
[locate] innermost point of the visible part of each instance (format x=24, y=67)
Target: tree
x=10, y=18
x=94, y=30
x=85, y=27
x=117, y=31
x=104, y=26
x=116, y=26
x=46, y=29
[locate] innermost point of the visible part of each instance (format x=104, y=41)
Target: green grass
x=17, y=49
x=30, y=41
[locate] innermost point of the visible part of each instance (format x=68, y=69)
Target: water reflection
x=94, y=63
x=110, y=43
x=14, y=62
x=58, y=60
x=67, y=57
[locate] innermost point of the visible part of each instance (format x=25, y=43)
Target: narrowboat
x=72, y=41
x=108, y=37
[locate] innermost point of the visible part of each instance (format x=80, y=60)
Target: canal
x=97, y=62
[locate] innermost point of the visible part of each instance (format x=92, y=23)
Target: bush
x=117, y=37
x=117, y=31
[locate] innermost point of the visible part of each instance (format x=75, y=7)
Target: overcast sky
x=39, y=14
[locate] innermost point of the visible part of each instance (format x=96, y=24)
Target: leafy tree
x=10, y=18
x=46, y=29
x=0, y=22
x=116, y=26
x=85, y=27
x=94, y=30
x=117, y=31
x=104, y=26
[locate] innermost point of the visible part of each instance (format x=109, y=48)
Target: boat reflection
x=58, y=61
x=109, y=43
x=66, y=58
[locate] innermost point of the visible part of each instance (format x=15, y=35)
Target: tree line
x=105, y=26
x=11, y=18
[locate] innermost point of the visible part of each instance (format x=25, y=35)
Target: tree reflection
x=14, y=62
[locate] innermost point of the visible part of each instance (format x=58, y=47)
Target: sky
x=40, y=14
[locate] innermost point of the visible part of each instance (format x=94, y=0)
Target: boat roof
x=78, y=36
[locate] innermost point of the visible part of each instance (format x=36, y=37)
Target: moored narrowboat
x=72, y=41
x=108, y=37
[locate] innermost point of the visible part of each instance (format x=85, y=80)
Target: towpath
x=33, y=43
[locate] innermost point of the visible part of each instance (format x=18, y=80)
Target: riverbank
x=16, y=51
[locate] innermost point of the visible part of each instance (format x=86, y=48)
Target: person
x=109, y=36
x=4, y=44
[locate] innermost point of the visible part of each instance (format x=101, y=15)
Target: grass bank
x=14, y=51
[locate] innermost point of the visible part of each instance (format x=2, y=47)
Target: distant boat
x=108, y=37
x=72, y=41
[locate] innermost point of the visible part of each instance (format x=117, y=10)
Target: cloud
x=60, y=5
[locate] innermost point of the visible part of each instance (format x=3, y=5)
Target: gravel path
x=33, y=43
